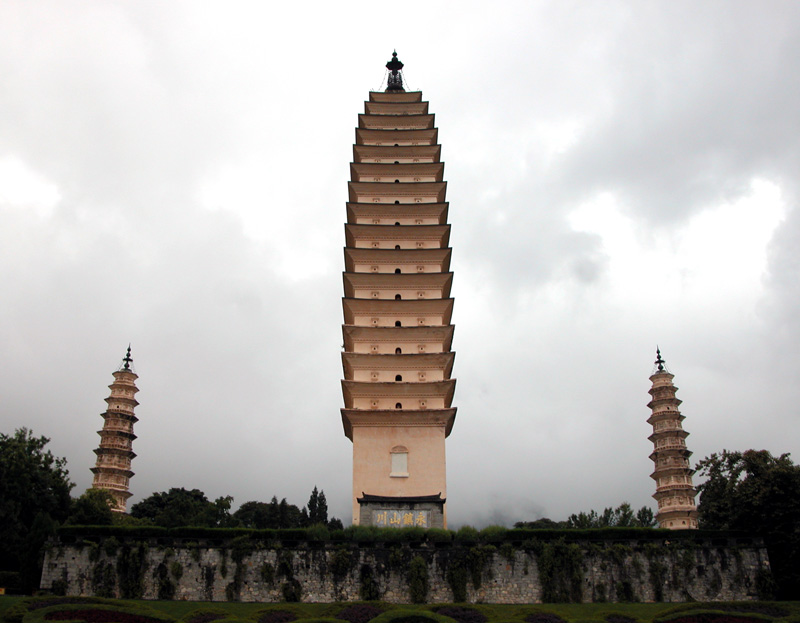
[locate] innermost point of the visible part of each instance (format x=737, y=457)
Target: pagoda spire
x=675, y=492
x=112, y=471
x=395, y=67
x=127, y=360
x=659, y=362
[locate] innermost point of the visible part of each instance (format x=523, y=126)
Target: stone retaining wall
x=502, y=574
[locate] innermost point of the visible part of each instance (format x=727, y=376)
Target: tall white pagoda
x=397, y=328
x=112, y=471
x=675, y=492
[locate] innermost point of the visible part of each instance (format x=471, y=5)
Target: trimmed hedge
x=411, y=616
x=278, y=613
x=368, y=534
x=543, y=617
x=205, y=615
x=19, y=610
x=275, y=615
x=119, y=612
x=462, y=614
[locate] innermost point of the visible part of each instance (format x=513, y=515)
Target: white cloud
x=21, y=187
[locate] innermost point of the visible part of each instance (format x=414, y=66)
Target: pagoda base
x=384, y=511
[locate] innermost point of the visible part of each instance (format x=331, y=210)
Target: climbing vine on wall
x=418, y=580
x=368, y=587
x=241, y=548
x=560, y=571
x=131, y=565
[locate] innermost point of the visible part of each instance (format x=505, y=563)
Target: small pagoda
x=112, y=471
x=397, y=360
x=675, y=492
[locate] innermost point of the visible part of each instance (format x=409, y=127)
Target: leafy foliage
x=621, y=517
x=756, y=492
x=92, y=508
x=275, y=515
x=34, y=494
x=317, y=507
x=181, y=507
x=281, y=515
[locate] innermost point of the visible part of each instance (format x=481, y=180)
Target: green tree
x=543, y=523
x=620, y=517
x=273, y=515
x=322, y=509
x=645, y=517
x=254, y=515
x=758, y=493
x=34, y=493
x=313, y=505
x=335, y=524
x=93, y=508
x=181, y=507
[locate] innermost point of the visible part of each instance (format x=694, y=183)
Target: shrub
x=204, y=615
x=493, y=534
x=543, y=617
x=318, y=532
x=438, y=535
x=716, y=617
x=363, y=534
x=359, y=613
x=461, y=614
x=275, y=616
x=15, y=613
x=410, y=616
x=466, y=534
x=104, y=614
x=278, y=613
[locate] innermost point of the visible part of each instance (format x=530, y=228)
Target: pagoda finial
x=395, y=67
x=128, y=359
x=659, y=361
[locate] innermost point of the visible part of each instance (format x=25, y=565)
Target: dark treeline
x=621, y=517
x=181, y=507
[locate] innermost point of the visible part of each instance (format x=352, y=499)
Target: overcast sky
x=620, y=175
